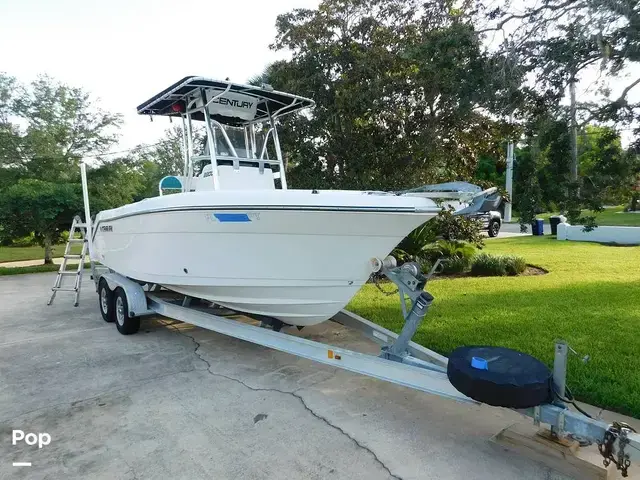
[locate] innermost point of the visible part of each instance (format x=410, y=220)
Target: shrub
x=488, y=265
x=455, y=227
x=445, y=226
x=450, y=249
x=412, y=246
x=514, y=265
x=456, y=255
x=27, y=241
x=497, y=265
x=425, y=264
x=456, y=265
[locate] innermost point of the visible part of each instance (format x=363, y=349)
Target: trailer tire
x=125, y=323
x=494, y=228
x=105, y=301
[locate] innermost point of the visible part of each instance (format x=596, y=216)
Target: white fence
x=617, y=235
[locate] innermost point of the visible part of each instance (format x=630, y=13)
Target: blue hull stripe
x=232, y=217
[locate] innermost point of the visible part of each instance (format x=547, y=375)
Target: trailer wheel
x=105, y=300
x=125, y=323
x=494, y=228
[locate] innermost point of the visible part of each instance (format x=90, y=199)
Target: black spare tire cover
x=500, y=376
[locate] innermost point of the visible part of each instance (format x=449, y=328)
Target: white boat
x=234, y=234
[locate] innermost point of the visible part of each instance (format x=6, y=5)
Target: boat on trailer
x=222, y=239
x=234, y=233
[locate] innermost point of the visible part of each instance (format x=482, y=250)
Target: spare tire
x=500, y=376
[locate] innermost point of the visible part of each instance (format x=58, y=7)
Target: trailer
x=400, y=361
x=514, y=379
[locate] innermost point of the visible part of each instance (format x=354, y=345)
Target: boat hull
x=300, y=266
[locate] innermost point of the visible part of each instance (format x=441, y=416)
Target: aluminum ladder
x=77, y=226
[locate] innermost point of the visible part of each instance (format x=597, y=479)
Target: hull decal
x=232, y=217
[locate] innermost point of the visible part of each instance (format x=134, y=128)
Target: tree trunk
x=47, y=250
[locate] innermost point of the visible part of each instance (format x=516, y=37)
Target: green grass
x=14, y=254
x=591, y=298
x=609, y=216
x=37, y=269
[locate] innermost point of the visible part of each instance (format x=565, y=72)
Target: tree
x=559, y=42
x=115, y=183
x=543, y=179
x=163, y=158
x=39, y=207
x=560, y=39
x=46, y=128
x=402, y=93
x=8, y=131
x=634, y=152
x=528, y=201
x=553, y=147
x=607, y=167
x=167, y=153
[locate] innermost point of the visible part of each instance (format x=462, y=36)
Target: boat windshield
x=240, y=140
x=236, y=140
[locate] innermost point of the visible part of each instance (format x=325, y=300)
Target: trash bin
x=537, y=227
x=554, y=221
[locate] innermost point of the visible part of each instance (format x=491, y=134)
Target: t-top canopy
x=238, y=104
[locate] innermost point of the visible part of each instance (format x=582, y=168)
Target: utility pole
x=509, y=180
x=574, y=130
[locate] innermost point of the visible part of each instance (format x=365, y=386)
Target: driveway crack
x=284, y=392
x=131, y=469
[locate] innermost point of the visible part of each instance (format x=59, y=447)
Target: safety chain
x=374, y=279
x=619, y=431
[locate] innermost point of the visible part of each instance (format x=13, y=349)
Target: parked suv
x=491, y=221
x=489, y=215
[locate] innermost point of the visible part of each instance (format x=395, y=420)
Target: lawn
x=590, y=298
x=14, y=254
x=38, y=269
x=609, y=216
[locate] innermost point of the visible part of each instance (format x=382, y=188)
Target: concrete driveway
x=513, y=230
x=175, y=401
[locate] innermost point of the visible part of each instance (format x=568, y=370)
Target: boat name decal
x=106, y=228
x=233, y=102
x=207, y=174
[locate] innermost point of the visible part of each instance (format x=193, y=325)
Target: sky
x=125, y=51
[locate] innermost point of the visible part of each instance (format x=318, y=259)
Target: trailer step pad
x=500, y=376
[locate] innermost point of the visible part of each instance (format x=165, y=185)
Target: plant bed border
x=529, y=271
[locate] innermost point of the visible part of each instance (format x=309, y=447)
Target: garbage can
x=537, y=227
x=554, y=221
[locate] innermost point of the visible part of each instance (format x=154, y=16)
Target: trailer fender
x=136, y=296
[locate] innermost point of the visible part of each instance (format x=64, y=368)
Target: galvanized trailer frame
x=401, y=361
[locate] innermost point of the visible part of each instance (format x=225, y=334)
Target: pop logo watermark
x=41, y=439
